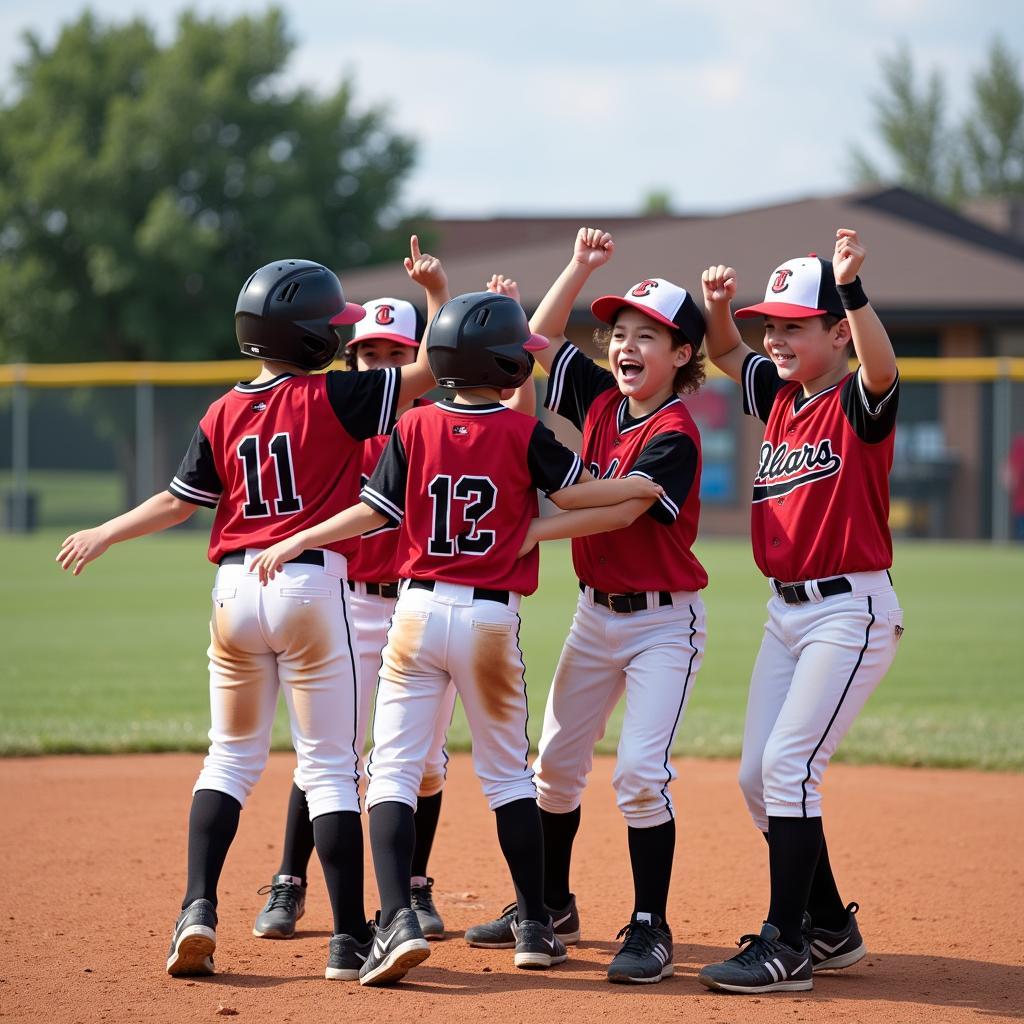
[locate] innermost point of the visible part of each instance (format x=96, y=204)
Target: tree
x=657, y=202
x=140, y=184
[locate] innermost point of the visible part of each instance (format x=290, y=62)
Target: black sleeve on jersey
x=761, y=383
x=366, y=403
x=873, y=419
x=575, y=382
x=384, y=492
x=669, y=460
x=197, y=481
x=552, y=465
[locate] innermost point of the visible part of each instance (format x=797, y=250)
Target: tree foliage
x=140, y=184
x=981, y=156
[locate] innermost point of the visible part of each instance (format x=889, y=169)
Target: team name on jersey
x=782, y=469
x=595, y=470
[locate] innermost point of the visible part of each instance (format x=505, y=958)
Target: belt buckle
x=618, y=611
x=792, y=593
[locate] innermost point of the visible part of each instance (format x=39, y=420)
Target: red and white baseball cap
x=389, y=320
x=662, y=301
x=799, y=288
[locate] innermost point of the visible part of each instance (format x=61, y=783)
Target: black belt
x=479, y=593
x=304, y=558
x=625, y=603
x=796, y=593
x=377, y=589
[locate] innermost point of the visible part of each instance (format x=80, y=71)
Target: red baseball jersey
x=655, y=551
x=376, y=558
x=278, y=457
x=462, y=481
x=821, y=490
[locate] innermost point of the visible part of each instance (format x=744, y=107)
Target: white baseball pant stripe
x=444, y=637
x=653, y=656
x=293, y=634
x=818, y=664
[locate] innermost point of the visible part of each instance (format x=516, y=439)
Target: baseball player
x=819, y=524
x=460, y=477
x=388, y=336
x=639, y=625
x=280, y=451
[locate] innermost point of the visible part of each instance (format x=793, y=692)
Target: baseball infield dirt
x=94, y=861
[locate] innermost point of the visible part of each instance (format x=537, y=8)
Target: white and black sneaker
x=285, y=905
x=537, y=945
x=423, y=903
x=346, y=957
x=193, y=941
x=498, y=934
x=395, y=950
x=646, y=953
x=831, y=951
x=765, y=965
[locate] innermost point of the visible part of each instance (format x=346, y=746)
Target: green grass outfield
x=115, y=660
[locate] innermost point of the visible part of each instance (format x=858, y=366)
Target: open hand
x=529, y=541
x=81, y=548
x=270, y=562
x=424, y=269
x=642, y=487
x=593, y=248
x=501, y=285
x=719, y=284
x=849, y=256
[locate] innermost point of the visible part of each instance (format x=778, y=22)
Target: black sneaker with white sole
x=395, y=950
x=537, y=945
x=498, y=934
x=346, y=958
x=831, y=951
x=193, y=941
x=286, y=903
x=646, y=953
x=765, y=965
x=422, y=897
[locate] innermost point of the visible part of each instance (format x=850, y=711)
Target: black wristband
x=852, y=295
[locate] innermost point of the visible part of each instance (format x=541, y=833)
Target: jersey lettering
x=480, y=496
x=595, y=470
x=280, y=449
x=781, y=470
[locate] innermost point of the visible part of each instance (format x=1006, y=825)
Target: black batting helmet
x=286, y=310
x=481, y=340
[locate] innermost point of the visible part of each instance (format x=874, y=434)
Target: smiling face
x=380, y=354
x=806, y=349
x=642, y=357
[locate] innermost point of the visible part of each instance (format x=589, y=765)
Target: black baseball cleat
x=646, y=953
x=285, y=905
x=346, y=958
x=395, y=950
x=765, y=965
x=537, y=945
x=426, y=912
x=831, y=951
x=193, y=941
x=498, y=934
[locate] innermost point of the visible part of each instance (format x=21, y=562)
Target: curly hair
x=688, y=378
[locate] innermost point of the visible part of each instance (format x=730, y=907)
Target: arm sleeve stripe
x=575, y=472
x=387, y=405
x=209, y=495
x=882, y=402
x=665, y=501
x=379, y=503
x=191, y=495
x=554, y=396
x=748, y=384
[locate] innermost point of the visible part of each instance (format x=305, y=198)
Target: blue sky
x=538, y=107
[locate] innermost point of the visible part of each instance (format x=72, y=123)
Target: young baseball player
x=461, y=477
x=819, y=524
x=280, y=451
x=388, y=336
x=639, y=627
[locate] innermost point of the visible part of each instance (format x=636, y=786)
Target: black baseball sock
x=650, y=856
x=559, y=833
x=794, y=846
x=392, y=840
x=298, y=836
x=520, y=838
x=428, y=809
x=824, y=903
x=212, y=824
x=339, y=845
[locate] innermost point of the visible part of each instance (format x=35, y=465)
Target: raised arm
x=426, y=271
x=726, y=349
x=157, y=513
x=524, y=398
x=870, y=339
x=593, y=249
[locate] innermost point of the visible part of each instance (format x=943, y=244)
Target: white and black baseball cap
x=662, y=301
x=799, y=288
x=389, y=320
